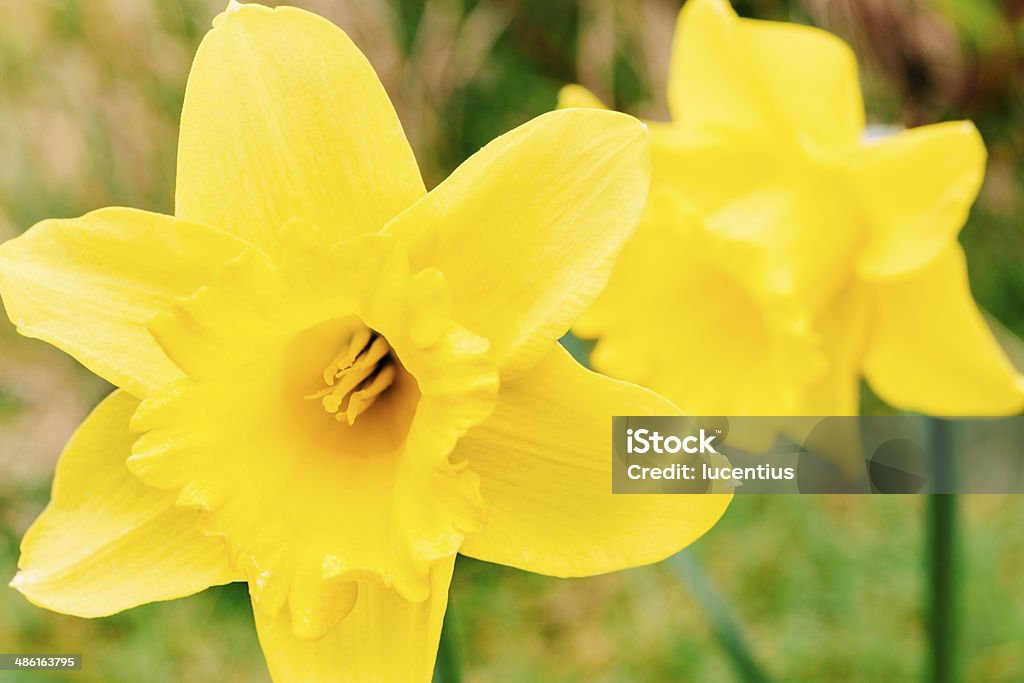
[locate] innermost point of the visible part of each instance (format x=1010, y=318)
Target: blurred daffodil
x=331, y=381
x=784, y=254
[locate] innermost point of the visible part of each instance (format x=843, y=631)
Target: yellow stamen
x=357, y=376
x=361, y=400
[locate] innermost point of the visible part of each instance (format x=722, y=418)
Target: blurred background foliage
x=830, y=588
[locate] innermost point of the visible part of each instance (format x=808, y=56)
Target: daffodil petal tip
x=236, y=8
x=721, y=7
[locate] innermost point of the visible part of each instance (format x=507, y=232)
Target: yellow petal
x=916, y=189
x=107, y=542
x=89, y=285
x=929, y=349
x=809, y=77
x=796, y=83
x=710, y=84
x=544, y=461
x=576, y=96
x=384, y=638
x=525, y=231
x=284, y=118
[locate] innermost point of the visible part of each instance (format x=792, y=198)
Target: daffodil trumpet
x=330, y=381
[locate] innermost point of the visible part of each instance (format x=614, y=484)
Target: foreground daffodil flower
x=330, y=381
x=783, y=255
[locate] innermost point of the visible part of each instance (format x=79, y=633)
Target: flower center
x=357, y=376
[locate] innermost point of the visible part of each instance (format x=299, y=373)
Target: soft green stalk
x=942, y=555
x=722, y=621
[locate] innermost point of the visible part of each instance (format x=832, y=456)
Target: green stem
x=942, y=554
x=448, y=669
x=723, y=622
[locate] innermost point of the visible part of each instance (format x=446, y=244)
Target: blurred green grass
x=830, y=588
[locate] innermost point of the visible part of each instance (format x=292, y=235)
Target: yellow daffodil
x=783, y=254
x=331, y=381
